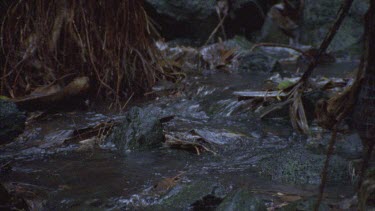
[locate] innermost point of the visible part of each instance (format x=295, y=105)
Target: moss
x=299, y=166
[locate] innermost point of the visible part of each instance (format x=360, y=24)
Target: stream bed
x=248, y=153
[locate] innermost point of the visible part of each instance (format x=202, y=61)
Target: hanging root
x=106, y=40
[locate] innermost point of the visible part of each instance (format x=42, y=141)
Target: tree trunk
x=364, y=111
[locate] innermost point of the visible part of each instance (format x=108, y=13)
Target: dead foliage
x=167, y=184
x=54, y=95
x=43, y=42
x=193, y=146
x=328, y=112
x=97, y=132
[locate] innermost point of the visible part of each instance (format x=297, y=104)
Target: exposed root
x=106, y=40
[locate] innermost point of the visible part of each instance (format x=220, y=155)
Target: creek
x=59, y=176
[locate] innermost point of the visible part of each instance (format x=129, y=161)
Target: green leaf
x=285, y=84
x=3, y=97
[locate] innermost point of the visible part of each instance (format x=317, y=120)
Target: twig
x=282, y=46
x=215, y=30
x=127, y=102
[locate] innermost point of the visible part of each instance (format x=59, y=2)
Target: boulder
x=12, y=121
x=139, y=130
x=196, y=19
x=318, y=18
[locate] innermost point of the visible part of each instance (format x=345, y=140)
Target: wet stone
x=319, y=16
x=191, y=22
x=258, y=62
x=140, y=130
x=349, y=147
x=12, y=121
x=317, y=20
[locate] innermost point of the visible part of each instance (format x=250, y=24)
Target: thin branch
x=344, y=9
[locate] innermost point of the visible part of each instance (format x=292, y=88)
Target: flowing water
x=60, y=176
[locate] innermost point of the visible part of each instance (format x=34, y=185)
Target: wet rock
x=193, y=194
x=208, y=202
x=224, y=55
x=305, y=205
x=196, y=19
x=12, y=121
x=318, y=18
x=258, y=62
x=5, y=197
x=349, y=147
x=9, y=201
x=219, y=55
x=185, y=58
x=299, y=166
x=193, y=19
x=242, y=199
x=367, y=191
x=139, y=130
